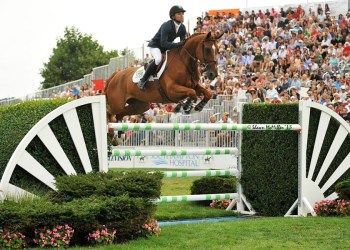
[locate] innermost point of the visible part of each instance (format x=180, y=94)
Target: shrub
x=343, y=189
x=332, y=208
x=150, y=228
x=84, y=215
x=58, y=237
x=214, y=185
x=103, y=236
x=136, y=184
x=12, y=240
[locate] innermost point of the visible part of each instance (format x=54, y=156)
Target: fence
x=102, y=72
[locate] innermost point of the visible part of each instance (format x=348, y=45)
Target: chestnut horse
x=180, y=79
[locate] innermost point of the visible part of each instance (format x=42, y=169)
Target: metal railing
x=102, y=72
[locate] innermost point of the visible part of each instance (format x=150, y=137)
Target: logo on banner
x=177, y=161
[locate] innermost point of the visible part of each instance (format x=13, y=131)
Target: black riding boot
x=149, y=71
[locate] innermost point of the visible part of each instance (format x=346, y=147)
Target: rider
x=163, y=41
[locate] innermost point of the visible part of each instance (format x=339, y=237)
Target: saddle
x=160, y=70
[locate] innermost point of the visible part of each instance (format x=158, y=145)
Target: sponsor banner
x=180, y=162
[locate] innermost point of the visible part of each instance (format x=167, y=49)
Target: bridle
x=206, y=63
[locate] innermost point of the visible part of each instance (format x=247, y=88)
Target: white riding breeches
x=157, y=55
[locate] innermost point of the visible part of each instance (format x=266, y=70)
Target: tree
x=75, y=55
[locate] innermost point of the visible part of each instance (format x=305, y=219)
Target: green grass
x=257, y=233
x=181, y=210
x=261, y=233
x=188, y=210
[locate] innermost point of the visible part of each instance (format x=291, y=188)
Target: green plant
x=58, y=237
x=221, y=204
x=214, y=185
x=135, y=184
x=103, y=236
x=150, y=228
x=343, y=189
x=332, y=208
x=12, y=240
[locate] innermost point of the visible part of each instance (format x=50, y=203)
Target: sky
x=30, y=28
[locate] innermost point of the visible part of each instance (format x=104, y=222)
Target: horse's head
x=206, y=52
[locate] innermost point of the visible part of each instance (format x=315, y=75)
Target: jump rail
x=223, y=172
x=197, y=197
x=202, y=126
x=174, y=152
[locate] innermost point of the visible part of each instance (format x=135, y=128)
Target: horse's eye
x=207, y=51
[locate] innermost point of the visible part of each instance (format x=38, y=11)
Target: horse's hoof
x=177, y=108
x=188, y=111
x=198, y=109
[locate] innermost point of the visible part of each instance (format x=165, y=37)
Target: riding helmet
x=175, y=9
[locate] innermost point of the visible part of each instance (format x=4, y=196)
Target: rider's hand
x=181, y=44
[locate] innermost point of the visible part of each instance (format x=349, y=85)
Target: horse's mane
x=195, y=35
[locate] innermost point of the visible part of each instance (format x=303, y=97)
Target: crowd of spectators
x=283, y=56
x=276, y=56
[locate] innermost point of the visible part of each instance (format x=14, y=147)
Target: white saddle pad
x=141, y=71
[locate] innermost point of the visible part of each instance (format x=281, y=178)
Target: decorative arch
x=22, y=158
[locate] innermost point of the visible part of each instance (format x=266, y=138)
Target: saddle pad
x=141, y=71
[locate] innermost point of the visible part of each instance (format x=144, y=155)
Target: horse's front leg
x=206, y=97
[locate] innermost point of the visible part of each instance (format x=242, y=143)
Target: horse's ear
x=218, y=35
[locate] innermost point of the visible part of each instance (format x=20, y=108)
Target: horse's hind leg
x=206, y=97
x=134, y=107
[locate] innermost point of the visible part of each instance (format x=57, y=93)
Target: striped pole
x=175, y=152
x=202, y=126
x=222, y=172
x=197, y=197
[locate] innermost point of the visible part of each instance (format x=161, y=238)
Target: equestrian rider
x=163, y=41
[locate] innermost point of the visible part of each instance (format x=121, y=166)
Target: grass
x=261, y=233
x=254, y=233
x=181, y=210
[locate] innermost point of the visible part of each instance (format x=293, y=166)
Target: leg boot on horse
x=149, y=71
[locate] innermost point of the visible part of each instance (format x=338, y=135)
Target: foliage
x=214, y=185
x=221, y=204
x=13, y=128
x=270, y=159
x=12, y=240
x=58, y=237
x=15, y=122
x=84, y=215
x=134, y=184
x=332, y=208
x=103, y=236
x=343, y=189
x=74, y=56
x=151, y=228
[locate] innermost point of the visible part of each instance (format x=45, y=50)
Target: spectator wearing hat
x=295, y=82
x=343, y=92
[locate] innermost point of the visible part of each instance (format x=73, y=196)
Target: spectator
x=271, y=92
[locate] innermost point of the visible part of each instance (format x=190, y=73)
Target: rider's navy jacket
x=166, y=35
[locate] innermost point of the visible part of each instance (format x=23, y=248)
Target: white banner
x=172, y=162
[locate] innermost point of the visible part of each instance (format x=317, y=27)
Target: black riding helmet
x=175, y=9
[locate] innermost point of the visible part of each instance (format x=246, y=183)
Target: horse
x=179, y=81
